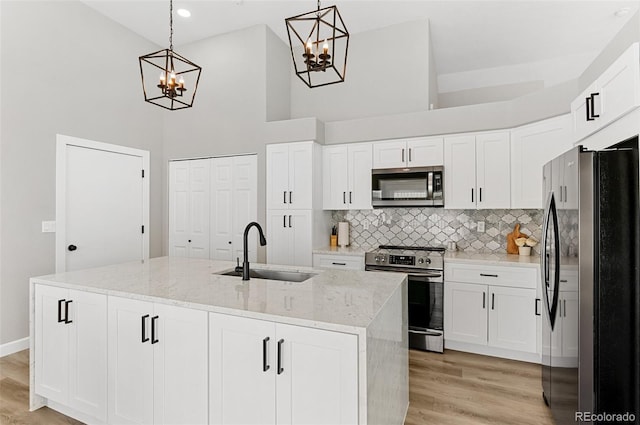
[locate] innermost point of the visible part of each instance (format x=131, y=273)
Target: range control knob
x=420, y=260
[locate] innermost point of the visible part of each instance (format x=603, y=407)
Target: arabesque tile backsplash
x=437, y=226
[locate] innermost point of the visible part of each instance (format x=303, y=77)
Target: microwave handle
x=430, y=185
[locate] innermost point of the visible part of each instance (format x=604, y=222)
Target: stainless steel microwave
x=407, y=187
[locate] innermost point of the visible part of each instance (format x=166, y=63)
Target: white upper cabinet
x=460, y=172
x=408, y=153
x=477, y=171
x=347, y=176
x=532, y=146
x=614, y=93
x=493, y=176
x=290, y=169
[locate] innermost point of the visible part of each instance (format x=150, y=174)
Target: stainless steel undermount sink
x=284, y=275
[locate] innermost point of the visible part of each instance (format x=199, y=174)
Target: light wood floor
x=453, y=388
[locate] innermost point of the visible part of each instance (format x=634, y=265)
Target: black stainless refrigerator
x=590, y=265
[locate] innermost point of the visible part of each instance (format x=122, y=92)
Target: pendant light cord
x=171, y=24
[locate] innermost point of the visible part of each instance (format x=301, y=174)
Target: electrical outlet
x=481, y=226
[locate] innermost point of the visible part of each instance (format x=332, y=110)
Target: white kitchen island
x=172, y=341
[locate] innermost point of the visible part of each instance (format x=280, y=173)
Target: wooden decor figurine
x=512, y=248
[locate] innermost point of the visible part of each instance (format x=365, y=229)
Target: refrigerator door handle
x=550, y=219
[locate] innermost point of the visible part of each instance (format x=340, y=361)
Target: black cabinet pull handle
x=484, y=300
x=402, y=155
x=488, y=275
x=480, y=200
x=593, y=105
x=409, y=154
x=537, y=307
x=153, y=330
x=66, y=312
x=344, y=197
x=265, y=366
x=350, y=201
x=289, y=221
x=284, y=221
x=60, y=319
x=339, y=264
x=144, y=328
x=587, y=101
x=493, y=300
x=563, y=280
x=471, y=194
x=564, y=307
x=280, y=368
x=291, y=197
x=284, y=194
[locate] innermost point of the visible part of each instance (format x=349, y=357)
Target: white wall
x=65, y=69
x=387, y=73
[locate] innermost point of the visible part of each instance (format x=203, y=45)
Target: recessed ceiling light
x=623, y=12
x=184, y=13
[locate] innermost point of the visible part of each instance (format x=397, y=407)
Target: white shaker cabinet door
x=301, y=175
x=242, y=376
x=301, y=249
x=360, y=163
x=493, y=176
x=465, y=306
x=278, y=176
x=278, y=237
x=180, y=364
x=317, y=382
x=460, y=172
x=51, y=344
x=391, y=154
x=335, y=177
x=512, y=318
x=425, y=152
x=130, y=362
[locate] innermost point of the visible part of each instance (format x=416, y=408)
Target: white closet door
x=221, y=211
x=199, y=208
x=244, y=207
x=178, y=208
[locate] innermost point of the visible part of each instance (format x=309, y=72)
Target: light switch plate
x=48, y=227
x=481, y=226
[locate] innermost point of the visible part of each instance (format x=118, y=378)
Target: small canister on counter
x=452, y=246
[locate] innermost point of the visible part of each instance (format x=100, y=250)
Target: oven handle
x=434, y=276
x=428, y=333
x=411, y=274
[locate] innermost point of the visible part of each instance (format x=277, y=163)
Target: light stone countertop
x=356, y=251
x=339, y=300
x=492, y=259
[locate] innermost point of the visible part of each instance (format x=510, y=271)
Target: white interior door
x=245, y=204
x=199, y=208
x=179, y=208
x=221, y=213
x=102, y=200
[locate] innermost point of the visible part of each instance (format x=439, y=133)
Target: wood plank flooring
x=453, y=388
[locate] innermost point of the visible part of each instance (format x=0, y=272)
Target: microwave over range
x=407, y=187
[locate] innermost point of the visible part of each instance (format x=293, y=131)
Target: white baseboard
x=492, y=351
x=14, y=346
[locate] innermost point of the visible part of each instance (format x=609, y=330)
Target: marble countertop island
x=338, y=300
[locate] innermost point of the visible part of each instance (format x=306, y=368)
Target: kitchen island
x=332, y=348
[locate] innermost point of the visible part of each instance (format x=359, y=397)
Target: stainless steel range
x=425, y=267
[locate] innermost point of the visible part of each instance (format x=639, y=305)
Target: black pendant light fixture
x=319, y=43
x=176, y=85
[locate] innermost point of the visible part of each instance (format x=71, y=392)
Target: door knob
x=72, y=247
x=229, y=242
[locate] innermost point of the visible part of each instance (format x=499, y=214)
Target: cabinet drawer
x=346, y=262
x=520, y=277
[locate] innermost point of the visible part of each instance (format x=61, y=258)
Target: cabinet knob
x=229, y=242
x=72, y=247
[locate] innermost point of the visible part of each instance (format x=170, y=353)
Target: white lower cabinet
x=158, y=363
x=289, y=237
x=290, y=374
x=492, y=310
x=71, y=349
x=337, y=261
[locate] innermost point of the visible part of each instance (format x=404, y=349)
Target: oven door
x=426, y=330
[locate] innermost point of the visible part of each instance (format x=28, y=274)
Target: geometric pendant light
x=176, y=86
x=319, y=43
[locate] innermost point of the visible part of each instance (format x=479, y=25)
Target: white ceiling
x=466, y=35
